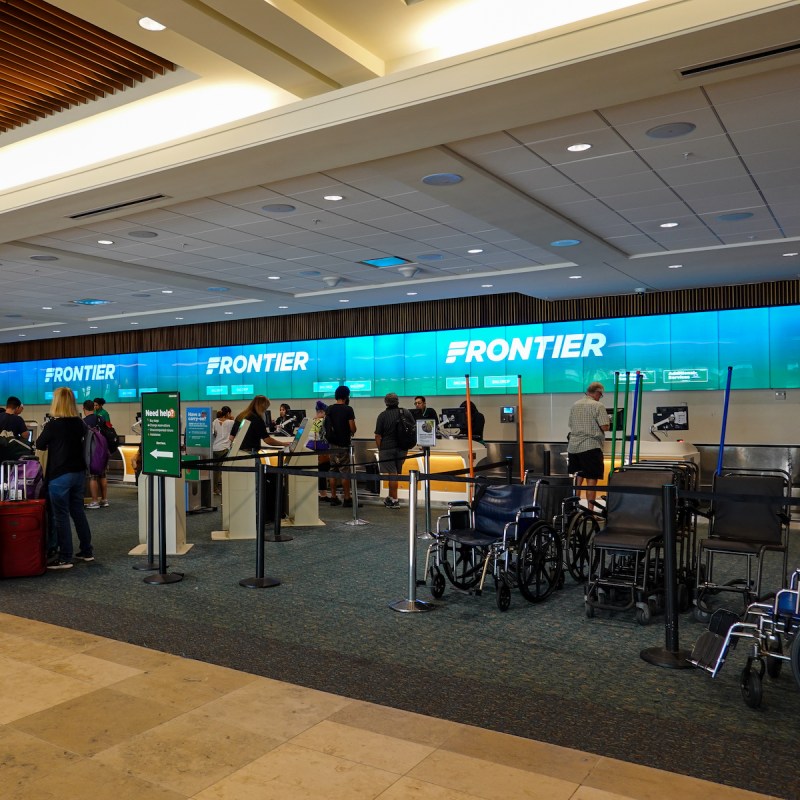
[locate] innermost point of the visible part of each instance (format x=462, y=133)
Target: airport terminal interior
x=474, y=201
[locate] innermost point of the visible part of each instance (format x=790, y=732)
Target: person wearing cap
x=221, y=430
x=340, y=427
x=390, y=455
x=588, y=422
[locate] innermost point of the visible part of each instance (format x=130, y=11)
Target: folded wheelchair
x=497, y=535
x=770, y=631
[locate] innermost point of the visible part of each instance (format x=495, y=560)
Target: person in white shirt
x=221, y=429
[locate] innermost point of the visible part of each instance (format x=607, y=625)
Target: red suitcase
x=23, y=538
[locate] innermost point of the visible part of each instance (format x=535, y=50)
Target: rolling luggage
x=23, y=525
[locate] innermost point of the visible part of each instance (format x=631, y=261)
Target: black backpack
x=405, y=430
x=107, y=429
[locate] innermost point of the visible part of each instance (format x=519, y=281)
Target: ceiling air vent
x=734, y=61
x=117, y=206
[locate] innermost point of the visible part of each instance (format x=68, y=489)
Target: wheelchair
x=769, y=630
x=559, y=504
x=499, y=535
x=743, y=525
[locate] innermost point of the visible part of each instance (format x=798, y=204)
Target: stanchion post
x=276, y=535
x=411, y=604
x=149, y=565
x=509, y=472
x=426, y=461
x=354, y=492
x=260, y=581
x=670, y=656
x=163, y=576
x=546, y=462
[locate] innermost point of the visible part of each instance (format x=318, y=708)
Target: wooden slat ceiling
x=51, y=61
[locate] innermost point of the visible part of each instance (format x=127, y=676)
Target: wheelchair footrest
x=708, y=651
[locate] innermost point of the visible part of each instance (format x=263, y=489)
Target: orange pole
x=520, y=429
x=469, y=430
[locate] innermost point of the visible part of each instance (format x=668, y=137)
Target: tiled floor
x=87, y=718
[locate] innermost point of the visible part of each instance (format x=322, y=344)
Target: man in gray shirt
x=588, y=423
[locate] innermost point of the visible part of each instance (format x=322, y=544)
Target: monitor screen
x=298, y=413
x=298, y=435
x=620, y=418
x=454, y=418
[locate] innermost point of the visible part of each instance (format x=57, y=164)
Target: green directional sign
x=161, y=434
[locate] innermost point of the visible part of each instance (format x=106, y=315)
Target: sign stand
x=148, y=566
x=163, y=576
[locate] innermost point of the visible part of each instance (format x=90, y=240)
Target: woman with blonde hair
x=258, y=415
x=65, y=476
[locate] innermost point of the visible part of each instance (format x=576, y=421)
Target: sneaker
x=84, y=556
x=324, y=499
x=391, y=502
x=335, y=501
x=92, y=505
x=104, y=504
x=348, y=503
x=59, y=564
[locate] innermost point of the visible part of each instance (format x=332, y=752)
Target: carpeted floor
x=540, y=671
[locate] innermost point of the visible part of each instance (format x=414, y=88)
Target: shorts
x=99, y=476
x=339, y=459
x=391, y=460
x=589, y=464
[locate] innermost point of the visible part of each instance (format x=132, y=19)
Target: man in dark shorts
x=340, y=427
x=588, y=423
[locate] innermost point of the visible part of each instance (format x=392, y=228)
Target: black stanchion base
x=661, y=657
x=280, y=537
x=259, y=583
x=166, y=577
x=147, y=567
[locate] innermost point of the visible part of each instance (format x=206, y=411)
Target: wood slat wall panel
x=463, y=312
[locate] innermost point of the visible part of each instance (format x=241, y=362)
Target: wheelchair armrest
x=532, y=509
x=784, y=518
x=459, y=515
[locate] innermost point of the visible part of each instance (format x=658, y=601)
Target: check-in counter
x=448, y=455
x=652, y=451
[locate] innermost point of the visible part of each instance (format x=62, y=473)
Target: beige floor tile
x=44, y=632
x=294, y=773
x=412, y=789
x=22, y=648
x=588, y=793
x=488, y=780
x=94, y=721
x=644, y=783
x=397, y=723
x=365, y=747
x=97, y=672
x=24, y=758
x=184, y=684
x=85, y=780
x=187, y=754
x=34, y=689
x=547, y=759
x=131, y=655
x=275, y=709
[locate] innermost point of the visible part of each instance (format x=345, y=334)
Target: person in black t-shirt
x=478, y=420
x=341, y=425
x=11, y=419
x=421, y=410
x=257, y=412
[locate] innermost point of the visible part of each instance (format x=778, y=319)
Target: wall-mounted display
x=677, y=351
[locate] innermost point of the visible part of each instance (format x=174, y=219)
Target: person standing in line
x=98, y=484
x=320, y=444
x=390, y=455
x=11, y=420
x=588, y=423
x=65, y=475
x=100, y=411
x=221, y=431
x=422, y=411
x=341, y=426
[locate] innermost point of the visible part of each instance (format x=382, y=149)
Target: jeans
x=66, y=500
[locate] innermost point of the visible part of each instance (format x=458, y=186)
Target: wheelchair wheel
x=437, y=583
x=503, y=597
x=644, y=614
x=774, y=665
x=539, y=562
x=752, y=689
x=463, y=564
x=582, y=527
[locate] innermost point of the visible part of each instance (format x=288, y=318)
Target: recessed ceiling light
x=442, y=179
x=56, y=331
x=151, y=25
x=228, y=313
x=487, y=285
x=134, y=323
x=575, y=277
x=91, y=301
x=579, y=148
x=47, y=308
x=284, y=307
x=93, y=327
x=565, y=243
x=44, y=258
x=278, y=208
x=675, y=266
x=411, y=294
x=668, y=225
x=178, y=317
x=670, y=130
x=734, y=216
x=105, y=241
x=273, y=277
x=333, y=197
x=344, y=301
x=22, y=334
x=166, y=291
x=475, y=250
x=786, y=255
x=143, y=234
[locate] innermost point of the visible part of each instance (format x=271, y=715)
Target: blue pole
x=636, y=389
x=724, y=422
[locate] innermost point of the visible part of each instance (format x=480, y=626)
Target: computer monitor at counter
x=454, y=418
